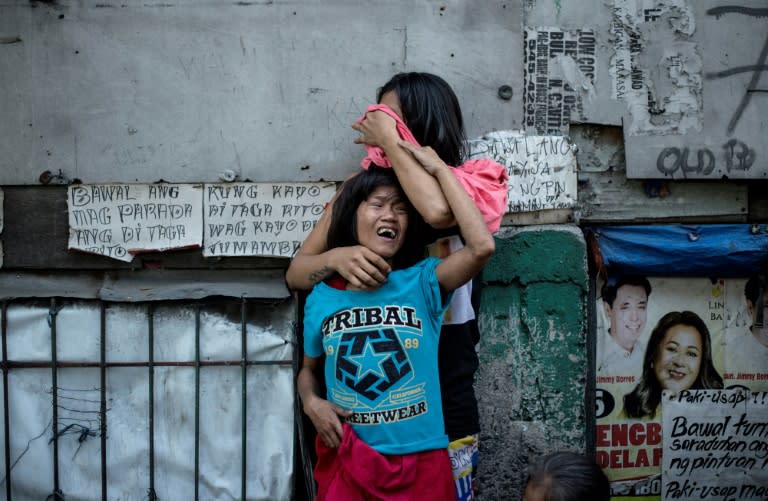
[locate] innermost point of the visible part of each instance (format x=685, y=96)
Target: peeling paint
x=567, y=69
x=655, y=69
x=559, y=74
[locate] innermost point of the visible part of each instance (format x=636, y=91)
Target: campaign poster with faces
x=665, y=333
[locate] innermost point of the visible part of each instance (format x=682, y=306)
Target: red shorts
x=356, y=471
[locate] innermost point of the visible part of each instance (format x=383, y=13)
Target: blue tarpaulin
x=707, y=250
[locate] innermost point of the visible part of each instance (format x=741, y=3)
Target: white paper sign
x=261, y=219
x=120, y=220
x=715, y=445
x=542, y=169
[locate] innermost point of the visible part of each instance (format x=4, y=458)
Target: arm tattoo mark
x=318, y=275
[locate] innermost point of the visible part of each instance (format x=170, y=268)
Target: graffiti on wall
x=755, y=69
x=725, y=54
x=735, y=155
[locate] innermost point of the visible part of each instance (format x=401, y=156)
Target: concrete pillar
x=533, y=358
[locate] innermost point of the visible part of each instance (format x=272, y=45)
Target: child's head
x=431, y=111
x=372, y=210
x=567, y=476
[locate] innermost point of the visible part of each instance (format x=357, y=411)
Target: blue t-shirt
x=381, y=357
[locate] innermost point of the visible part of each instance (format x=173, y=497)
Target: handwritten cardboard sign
x=542, y=169
x=715, y=445
x=120, y=220
x=261, y=219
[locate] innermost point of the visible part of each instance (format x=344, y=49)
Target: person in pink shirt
x=422, y=109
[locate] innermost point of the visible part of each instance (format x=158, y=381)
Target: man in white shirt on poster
x=746, y=353
x=619, y=350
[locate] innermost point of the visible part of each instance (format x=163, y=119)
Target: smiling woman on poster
x=678, y=357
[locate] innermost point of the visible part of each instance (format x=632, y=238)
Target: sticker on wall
x=559, y=73
x=541, y=169
x=261, y=219
x=121, y=220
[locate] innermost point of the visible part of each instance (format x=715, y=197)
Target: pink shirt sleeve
x=486, y=183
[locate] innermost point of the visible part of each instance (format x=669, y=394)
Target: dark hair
x=753, y=286
x=611, y=289
x=342, y=231
x=645, y=398
x=431, y=111
x=568, y=476
x=754, y=291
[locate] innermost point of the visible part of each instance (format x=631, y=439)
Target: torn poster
x=558, y=72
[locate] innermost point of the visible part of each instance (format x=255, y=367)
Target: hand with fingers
x=425, y=155
x=362, y=268
x=377, y=129
x=327, y=418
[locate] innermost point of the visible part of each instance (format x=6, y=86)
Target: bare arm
x=422, y=189
x=309, y=266
x=324, y=415
x=462, y=265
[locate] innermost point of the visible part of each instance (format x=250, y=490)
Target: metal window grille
x=157, y=400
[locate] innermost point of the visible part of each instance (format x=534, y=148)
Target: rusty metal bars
x=6, y=424
x=151, y=403
x=103, y=396
x=197, y=402
x=244, y=389
x=54, y=365
x=52, y=314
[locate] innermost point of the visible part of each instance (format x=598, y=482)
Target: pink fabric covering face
x=375, y=155
x=484, y=180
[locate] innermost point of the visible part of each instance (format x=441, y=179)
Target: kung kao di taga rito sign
x=715, y=445
x=120, y=220
x=246, y=219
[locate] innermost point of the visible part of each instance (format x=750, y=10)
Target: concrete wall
x=187, y=91
x=194, y=90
